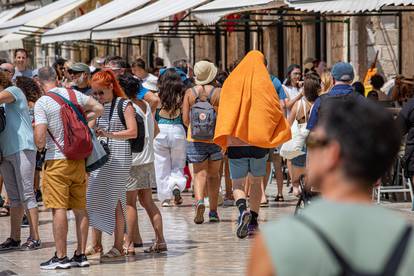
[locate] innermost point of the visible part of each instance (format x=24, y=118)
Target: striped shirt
x=47, y=112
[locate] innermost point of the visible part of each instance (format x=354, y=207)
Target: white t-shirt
x=150, y=77
x=47, y=111
x=147, y=155
x=291, y=92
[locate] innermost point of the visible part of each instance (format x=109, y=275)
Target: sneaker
x=178, y=200
x=166, y=203
x=31, y=244
x=213, y=216
x=25, y=222
x=252, y=229
x=207, y=202
x=56, y=263
x=9, y=244
x=242, y=228
x=220, y=200
x=79, y=260
x=228, y=203
x=199, y=213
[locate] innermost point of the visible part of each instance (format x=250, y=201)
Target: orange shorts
x=64, y=184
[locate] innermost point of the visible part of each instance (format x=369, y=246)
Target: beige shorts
x=141, y=177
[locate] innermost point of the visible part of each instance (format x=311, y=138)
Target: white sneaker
x=166, y=203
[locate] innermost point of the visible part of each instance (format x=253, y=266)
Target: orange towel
x=249, y=107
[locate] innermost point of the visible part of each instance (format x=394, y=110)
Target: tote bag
x=294, y=147
x=99, y=155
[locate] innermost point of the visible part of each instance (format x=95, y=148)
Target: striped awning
x=344, y=6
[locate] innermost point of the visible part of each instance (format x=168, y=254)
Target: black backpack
x=2, y=119
x=138, y=143
x=391, y=265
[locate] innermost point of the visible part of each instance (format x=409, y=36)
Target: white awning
x=144, y=21
x=81, y=27
x=344, y=6
x=212, y=12
x=31, y=23
x=9, y=14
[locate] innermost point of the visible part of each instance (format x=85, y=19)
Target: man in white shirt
x=64, y=181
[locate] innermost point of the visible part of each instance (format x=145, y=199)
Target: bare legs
x=60, y=230
x=154, y=214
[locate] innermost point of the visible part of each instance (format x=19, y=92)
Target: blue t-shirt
x=18, y=134
x=279, y=88
x=26, y=73
x=341, y=89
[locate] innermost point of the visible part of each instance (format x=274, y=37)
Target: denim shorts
x=198, y=152
x=239, y=168
x=299, y=161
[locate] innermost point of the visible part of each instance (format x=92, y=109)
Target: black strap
x=346, y=268
x=111, y=113
x=391, y=267
x=120, y=110
x=197, y=95
x=211, y=94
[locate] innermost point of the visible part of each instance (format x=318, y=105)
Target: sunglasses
x=99, y=93
x=313, y=142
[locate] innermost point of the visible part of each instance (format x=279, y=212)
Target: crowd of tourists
x=97, y=138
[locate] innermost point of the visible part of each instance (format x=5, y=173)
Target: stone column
x=51, y=54
x=39, y=59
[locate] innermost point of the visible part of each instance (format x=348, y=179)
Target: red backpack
x=77, y=136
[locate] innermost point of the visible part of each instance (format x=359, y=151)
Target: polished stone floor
x=207, y=249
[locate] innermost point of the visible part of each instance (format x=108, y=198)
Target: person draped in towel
x=250, y=121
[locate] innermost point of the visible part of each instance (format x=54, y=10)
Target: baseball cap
x=80, y=67
x=343, y=71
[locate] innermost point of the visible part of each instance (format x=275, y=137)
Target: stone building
x=284, y=35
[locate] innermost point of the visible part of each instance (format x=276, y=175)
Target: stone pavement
x=205, y=249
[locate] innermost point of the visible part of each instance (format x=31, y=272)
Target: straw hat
x=205, y=72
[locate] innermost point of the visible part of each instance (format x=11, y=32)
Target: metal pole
x=280, y=50
x=246, y=35
x=348, y=22
x=225, y=50
x=218, y=45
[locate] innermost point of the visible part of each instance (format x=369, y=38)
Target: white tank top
x=147, y=155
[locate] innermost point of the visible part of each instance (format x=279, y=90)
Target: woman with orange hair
x=106, y=195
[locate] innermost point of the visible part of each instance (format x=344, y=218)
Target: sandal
x=4, y=211
x=157, y=248
x=264, y=204
x=92, y=250
x=129, y=251
x=279, y=198
x=112, y=254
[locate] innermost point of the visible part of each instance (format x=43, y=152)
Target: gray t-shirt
x=364, y=234
x=47, y=111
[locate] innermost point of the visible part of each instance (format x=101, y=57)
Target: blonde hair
x=326, y=81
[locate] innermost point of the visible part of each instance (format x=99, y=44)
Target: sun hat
x=205, y=72
x=343, y=71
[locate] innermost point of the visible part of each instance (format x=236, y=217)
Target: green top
x=166, y=121
x=364, y=234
